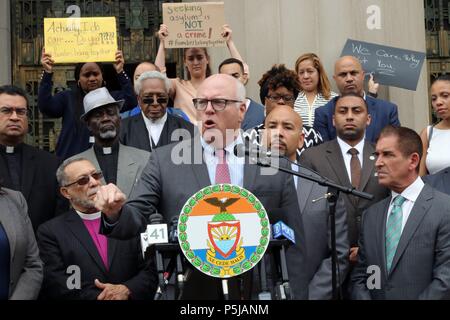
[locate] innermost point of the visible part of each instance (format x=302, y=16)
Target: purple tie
x=222, y=170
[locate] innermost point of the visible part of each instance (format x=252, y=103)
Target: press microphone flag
x=282, y=231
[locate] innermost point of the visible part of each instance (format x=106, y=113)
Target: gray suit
x=165, y=187
x=26, y=268
x=315, y=218
x=327, y=160
x=130, y=164
x=421, y=265
x=440, y=180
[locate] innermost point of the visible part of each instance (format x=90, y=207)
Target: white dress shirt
x=154, y=128
x=411, y=194
x=295, y=168
x=348, y=157
x=235, y=164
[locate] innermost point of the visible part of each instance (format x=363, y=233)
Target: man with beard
x=80, y=263
x=283, y=135
x=349, y=161
x=120, y=164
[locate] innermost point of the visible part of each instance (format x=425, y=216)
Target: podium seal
x=223, y=230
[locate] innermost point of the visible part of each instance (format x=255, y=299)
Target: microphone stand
x=331, y=196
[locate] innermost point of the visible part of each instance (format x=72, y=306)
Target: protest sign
x=389, y=66
x=72, y=40
x=194, y=24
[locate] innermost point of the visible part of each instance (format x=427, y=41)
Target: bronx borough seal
x=223, y=230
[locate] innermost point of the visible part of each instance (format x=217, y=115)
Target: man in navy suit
x=254, y=114
x=349, y=76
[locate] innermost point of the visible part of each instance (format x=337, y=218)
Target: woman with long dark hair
x=68, y=105
x=21, y=269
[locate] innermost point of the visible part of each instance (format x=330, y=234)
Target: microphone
x=173, y=230
x=282, y=231
x=240, y=150
x=156, y=232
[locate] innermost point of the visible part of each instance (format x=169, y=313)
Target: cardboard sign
x=194, y=24
x=72, y=40
x=389, y=66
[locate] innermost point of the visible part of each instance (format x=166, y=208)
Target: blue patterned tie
x=394, y=230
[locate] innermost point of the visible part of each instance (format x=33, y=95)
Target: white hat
x=98, y=98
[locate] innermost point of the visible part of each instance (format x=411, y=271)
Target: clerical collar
x=89, y=216
x=107, y=150
x=11, y=149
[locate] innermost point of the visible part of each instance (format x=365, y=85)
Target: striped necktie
x=394, y=230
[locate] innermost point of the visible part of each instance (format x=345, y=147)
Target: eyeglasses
x=159, y=100
x=8, y=111
x=277, y=98
x=85, y=179
x=217, y=104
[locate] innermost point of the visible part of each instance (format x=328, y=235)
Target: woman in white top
x=315, y=91
x=436, y=139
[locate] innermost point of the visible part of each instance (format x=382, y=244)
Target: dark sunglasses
x=85, y=179
x=150, y=100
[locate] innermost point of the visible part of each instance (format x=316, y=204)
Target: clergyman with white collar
x=121, y=165
x=153, y=127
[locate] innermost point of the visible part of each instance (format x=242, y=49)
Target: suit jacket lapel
x=8, y=224
x=304, y=188
x=28, y=170
x=418, y=212
x=143, y=140
x=368, y=168
x=78, y=229
x=126, y=171
x=112, y=245
x=250, y=173
x=381, y=234
x=336, y=161
x=168, y=128
x=199, y=167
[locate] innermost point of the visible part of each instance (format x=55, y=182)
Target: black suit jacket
x=327, y=160
x=440, y=181
x=165, y=187
x=64, y=241
x=39, y=185
x=133, y=132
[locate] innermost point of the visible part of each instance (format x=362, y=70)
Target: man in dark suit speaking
x=176, y=172
x=404, y=246
x=349, y=77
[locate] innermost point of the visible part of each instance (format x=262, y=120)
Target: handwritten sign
x=390, y=66
x=71, y=40
x=194, y=24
